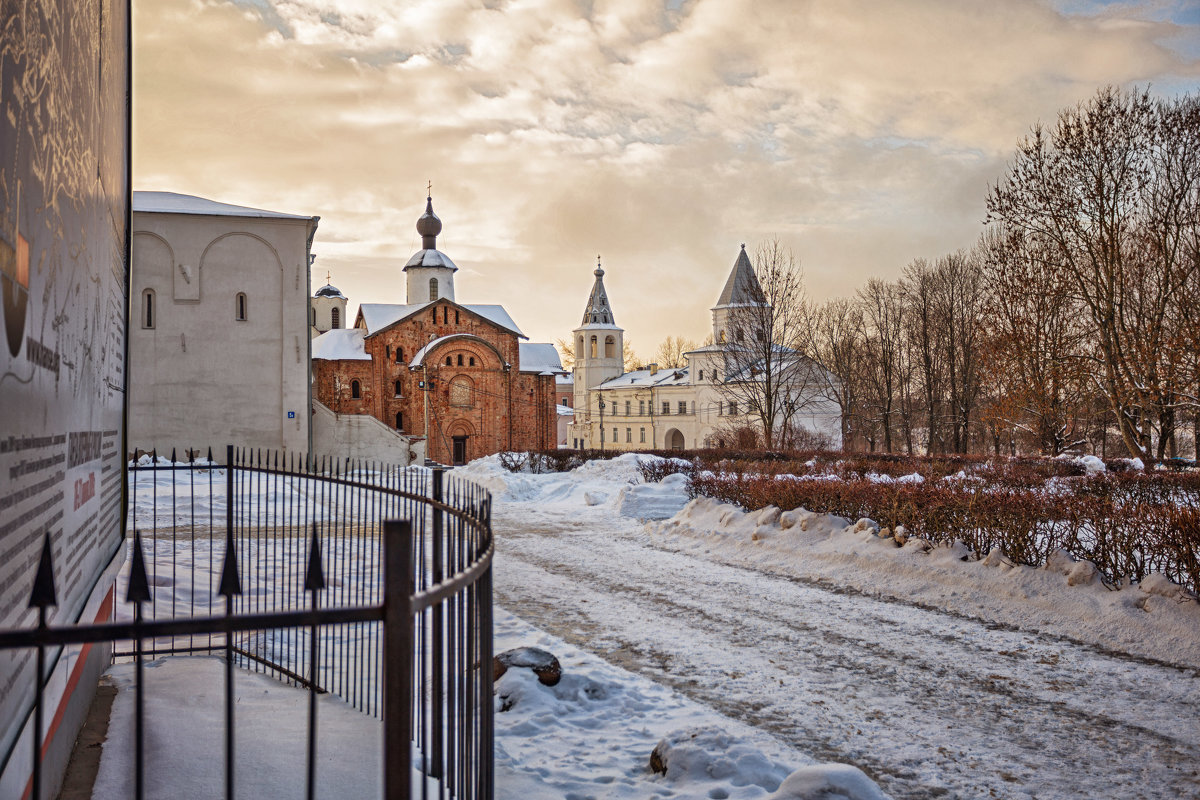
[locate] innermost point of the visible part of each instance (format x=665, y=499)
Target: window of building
x=399, y=420
x=148, y=308
x=682, y=406
x=641, y=408
x=435, y=316
x=460, y=359
x=387, y=349
x=666, y=406
x=643, y=434
x=397, y=392
x=614, y=436
x=701, y=377
x=471, y=362
x=445, y=315
x=355, y=389
x=566, y=401
x=456, y=316
x=610, y=347
x=462, y=392
x=433, y=295
x=399, y=355
x=629, y=435
x=627, y=408
x=335, y=318
x=732, y=408
x=593, y=347
x=449, y=361
x=239, y=307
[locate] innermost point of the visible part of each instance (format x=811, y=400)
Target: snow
x=341, y=344
x=174, y=203
x=539, y=357
x=430, y=258
x=378, y=316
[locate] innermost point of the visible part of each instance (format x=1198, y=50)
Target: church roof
x=539, y=357
x=742, y=288
x=598, y=311
x=174, y=203
x=329, y=290
x=431, y=258
x=340, y=344
x=378, y=316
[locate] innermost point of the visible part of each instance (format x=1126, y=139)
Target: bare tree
x=767, y=374
x=882, y=304
x=566, y=351
x=838, y=344
x=670, y=352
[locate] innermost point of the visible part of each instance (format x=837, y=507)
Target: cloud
x=660, y=135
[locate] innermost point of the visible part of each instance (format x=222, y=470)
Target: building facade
x=699, y=405
x=219, y=331
x=456, y=378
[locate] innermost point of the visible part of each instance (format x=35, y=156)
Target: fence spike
x=314, y=576
x=231, y=581
x=43, y=582
x=138, y=590
x=174, y=460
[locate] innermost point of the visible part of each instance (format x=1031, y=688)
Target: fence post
x=438, y=656
x=399, y=650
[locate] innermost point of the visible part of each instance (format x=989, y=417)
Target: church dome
x=328, y=290
x=429, y=226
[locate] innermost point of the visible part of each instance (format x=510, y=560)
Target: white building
x=692, y=407
x=328, y=309
x=220, y=326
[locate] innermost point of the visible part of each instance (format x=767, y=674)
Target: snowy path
x=928, y=703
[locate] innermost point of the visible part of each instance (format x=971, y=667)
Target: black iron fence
x=367, y=581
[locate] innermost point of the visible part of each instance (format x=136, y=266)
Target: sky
x=657, y=134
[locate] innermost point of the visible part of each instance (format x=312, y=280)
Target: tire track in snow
x=928, y=703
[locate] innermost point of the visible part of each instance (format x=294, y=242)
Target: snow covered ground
x=937, y=677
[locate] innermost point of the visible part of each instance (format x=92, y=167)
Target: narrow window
x=460, y=361
x=456, y=316
x=239, y=307
x=399, y=420
x=472, y=361
x=615, y=439
x=610, y=347
x=388, y=350
x=335, y=318
x=449, y=362
x=643, y=436
x=355, y=389
x=666, y=406
x=682, y=406
x=397, y=393
x=732, y=408
x=593, y=347
x=629, y=435
x=445, y=315
x=435, y=316
x=148, y=308
x=399, y=355
x=433, y=295
x=641, y=408
x=701, y=375
x=627, y=408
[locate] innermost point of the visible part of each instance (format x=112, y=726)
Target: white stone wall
x=361, y=437
x=201, y=377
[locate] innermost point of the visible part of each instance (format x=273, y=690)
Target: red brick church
x=461, y=378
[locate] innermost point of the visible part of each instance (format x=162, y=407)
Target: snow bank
x=1065, y=598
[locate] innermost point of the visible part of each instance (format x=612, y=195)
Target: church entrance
x=459, y=450
x=674, y=439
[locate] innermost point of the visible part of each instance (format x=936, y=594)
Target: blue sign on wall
x=291, y=415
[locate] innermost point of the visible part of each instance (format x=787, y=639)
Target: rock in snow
x=543, y=664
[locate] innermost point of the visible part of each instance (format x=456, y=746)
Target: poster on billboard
x=63, y=274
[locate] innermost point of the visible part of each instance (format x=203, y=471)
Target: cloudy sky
x=659, y=134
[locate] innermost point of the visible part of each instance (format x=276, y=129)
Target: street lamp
x=601, y=424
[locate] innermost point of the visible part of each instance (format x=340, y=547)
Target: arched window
x=462, y=392
x=335, y=318
x=399, y=355
x=148, y=308
x=472, y=361
x=449, y=361
x=388, y=350
x=355, y=389
x=460, y=361
x=399, y=420
x=721, y=338
x=397, y=393
x=239, y=307
x=593, y=347
x=456, y=316
x=433, y=295
x=610, y=347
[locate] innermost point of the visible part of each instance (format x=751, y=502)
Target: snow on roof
x=378, y=316
x=419, y=358
x=564, y=379
x=642, y=377
x=340, y=344
x=329, y=290
x=174, y=203
x=565, y=411
x=539, y=357
x=430, y=258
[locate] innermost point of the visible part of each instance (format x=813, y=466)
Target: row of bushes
x=1127, y=525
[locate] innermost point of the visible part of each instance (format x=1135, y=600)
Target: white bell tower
x=599, y=355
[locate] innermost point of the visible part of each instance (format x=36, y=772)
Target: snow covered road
x=928, y=702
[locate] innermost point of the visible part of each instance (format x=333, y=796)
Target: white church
x=697, y=406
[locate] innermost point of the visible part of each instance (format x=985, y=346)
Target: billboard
x=64, y=216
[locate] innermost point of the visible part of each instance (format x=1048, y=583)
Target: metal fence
x=359, y=579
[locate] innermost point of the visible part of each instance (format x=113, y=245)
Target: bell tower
x=599, y=351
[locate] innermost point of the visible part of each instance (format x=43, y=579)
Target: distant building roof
x=598, y=311
x=539, y=357
x=174, y=203
x=742, y=288
x=643, y=377
x=340, y=344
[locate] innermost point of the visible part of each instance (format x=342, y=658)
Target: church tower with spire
x=430, y=272
x=599, y=346
x=742, y=290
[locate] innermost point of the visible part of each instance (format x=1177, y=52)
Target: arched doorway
x=674, y=439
